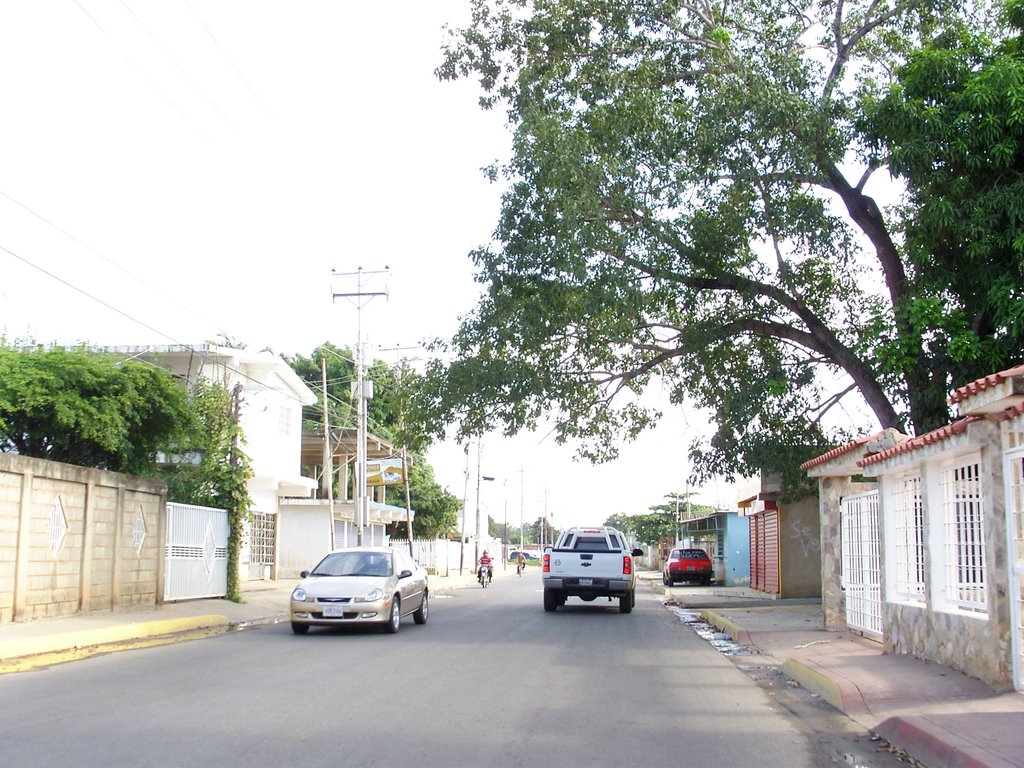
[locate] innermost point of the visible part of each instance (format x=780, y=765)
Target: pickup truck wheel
x=550, y=600
x=626, y=602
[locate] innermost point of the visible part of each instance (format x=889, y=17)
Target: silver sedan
x=361, y=585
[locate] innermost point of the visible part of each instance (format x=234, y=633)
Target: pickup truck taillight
x=627, y=565
x=547, y=563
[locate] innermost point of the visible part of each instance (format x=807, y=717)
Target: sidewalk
x=939, y=716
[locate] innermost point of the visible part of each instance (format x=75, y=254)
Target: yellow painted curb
x=723, y=624
x=815, y=682
x=30, y=646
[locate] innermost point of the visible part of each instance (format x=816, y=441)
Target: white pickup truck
x=589, y=563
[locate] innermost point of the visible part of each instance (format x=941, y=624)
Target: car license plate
x=691, y=567
x=334, y=611
x=586, y=582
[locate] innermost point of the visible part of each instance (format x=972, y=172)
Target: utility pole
x=522, y=526
x=328, y=470
x=406, y=469
x=363, y=390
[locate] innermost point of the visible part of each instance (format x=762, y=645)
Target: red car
x=687, y=565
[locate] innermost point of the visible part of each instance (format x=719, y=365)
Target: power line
x=227, y=57
x=178, y=66
x=135, y=64
x=107, y=259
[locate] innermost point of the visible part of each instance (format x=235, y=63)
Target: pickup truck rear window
x=590, y=544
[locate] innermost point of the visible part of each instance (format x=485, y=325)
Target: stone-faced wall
x=74, y=539
x=976, y=645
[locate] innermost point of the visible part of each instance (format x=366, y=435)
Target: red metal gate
x=764, y=551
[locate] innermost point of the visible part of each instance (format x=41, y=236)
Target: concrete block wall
x=76, y=540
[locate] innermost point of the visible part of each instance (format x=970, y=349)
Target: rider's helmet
x=485, y=553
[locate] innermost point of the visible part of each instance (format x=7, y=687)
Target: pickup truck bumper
x=571, y=586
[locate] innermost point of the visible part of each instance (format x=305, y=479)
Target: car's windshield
x=354, y=564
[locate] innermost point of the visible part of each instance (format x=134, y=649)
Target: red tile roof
x=841, y=450
x=1011, y=412
x=928, y=438
x=992, y=380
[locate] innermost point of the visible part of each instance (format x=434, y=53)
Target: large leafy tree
x=952, y=128
x=687, y=200
x=87, y=408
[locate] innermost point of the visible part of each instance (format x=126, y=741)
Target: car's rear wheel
x=300, y=629
x=666, y=580
x=420, y=616
x=550, y=600
x=395, y=617
x=626, y=602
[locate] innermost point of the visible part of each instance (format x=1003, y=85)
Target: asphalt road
x=491, y=680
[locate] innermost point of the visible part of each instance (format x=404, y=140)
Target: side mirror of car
x=303, y=574
x=405, y=574
x=637, y=552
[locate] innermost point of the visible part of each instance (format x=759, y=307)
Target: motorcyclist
x=521, y=563
x=485, y=562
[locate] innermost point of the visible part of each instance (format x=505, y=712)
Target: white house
x=272, y=397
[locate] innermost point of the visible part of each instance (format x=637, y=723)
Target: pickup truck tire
x=626, y=602
x=550, y=600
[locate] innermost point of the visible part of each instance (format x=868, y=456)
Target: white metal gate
x=262, y=549
x=196, y=552
x=1014, y=473
x=861, y=563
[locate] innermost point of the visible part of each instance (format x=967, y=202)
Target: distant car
x=514, y=555
x=687, y=565
x=361, y=585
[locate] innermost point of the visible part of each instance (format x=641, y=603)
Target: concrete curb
x=917, y=735
x=804, y=672
x=86, y=638
x=723, y=624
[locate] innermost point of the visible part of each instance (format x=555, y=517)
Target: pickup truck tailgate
x=587, y=565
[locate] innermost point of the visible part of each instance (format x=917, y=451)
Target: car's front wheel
x=420, y=616
x=300, y=629
x=395, y=617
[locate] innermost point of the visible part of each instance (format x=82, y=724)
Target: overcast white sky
x=173, y=170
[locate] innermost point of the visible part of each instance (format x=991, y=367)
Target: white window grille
x=911, y=571
x=964, y=537
x=284, y=420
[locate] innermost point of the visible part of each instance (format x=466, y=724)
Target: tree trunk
x=926, y=388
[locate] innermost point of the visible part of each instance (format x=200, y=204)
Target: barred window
x=964, y=537
x=911, y=571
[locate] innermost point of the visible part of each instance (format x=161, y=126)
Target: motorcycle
x=483, y=575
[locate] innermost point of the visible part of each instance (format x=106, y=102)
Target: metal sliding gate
x=861, y=563
x=196, y=552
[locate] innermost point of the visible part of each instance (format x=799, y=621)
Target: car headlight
x=299, y=595
x=372, y=596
